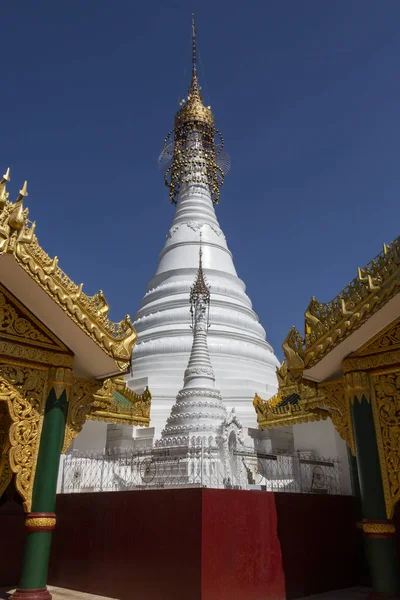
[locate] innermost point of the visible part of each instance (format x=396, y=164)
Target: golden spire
x=194, y=110
x=193, y=156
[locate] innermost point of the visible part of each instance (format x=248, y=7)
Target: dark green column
x=35, y=562
x=380, y=548
x=355, y=486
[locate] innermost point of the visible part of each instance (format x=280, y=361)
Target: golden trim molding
x=24, y=389
x=357, y=385
x=89, y=313
x=328, y=324
x=96, y=401
x=385, y=391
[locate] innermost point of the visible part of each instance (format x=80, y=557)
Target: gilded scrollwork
x=60, y=379
x=357, y=386
x=387, y=339
x=386, y=411
x=5, y=469
x=302, y=401
x=79, y=406
x=17, y=237
x=110, y=401
x=23, y=389
x=328, y=324
x=297, y=401
x=338, y=404
x=17, y=326
x=269, y=417
x=373, y=361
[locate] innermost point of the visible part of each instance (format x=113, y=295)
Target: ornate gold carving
x=80, y=404
x=5, y=469
x=110, y=401
x=387, y=339
x=16, y=326
x=19, y=325
x=24, y=391
x=306, y=405
x=33, y=522
x=306, y=401
x=375, y=361
x=386, y=411
x=192, y=154
x=59, y=379
x=357, y=386
x=378, y=528
x=293, y=349
x=292, y=414
x=89, y=313
x=335, y=399
x=35, y=355
x=327, y=324
x=116, y=403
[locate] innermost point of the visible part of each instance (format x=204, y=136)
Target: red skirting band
x=38, y=594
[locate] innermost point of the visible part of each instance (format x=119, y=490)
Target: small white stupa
x=199, y=418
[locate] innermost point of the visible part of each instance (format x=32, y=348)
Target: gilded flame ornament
x=190, y=153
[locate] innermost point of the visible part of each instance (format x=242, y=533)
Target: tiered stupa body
x=199, y=413
x=244, y=362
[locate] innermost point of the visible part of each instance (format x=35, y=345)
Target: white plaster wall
x=322, y=438
x=92, y=437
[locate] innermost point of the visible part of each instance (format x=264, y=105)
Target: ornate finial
x=3, y=188
x=200, y=287
x=193, y=156
x=6, y=176
x=23, y=193
x=194, y=49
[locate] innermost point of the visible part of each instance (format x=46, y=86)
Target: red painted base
x=196, y=544
x=38, y=594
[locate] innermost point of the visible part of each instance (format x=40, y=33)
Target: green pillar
x=355, y=486
x=380, y=546
x=41, y=521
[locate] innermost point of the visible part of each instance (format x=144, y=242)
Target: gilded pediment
x=18, y=324
x=387, y=339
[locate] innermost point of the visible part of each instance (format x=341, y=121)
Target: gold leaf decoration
x=23, y=389
x=386, y=410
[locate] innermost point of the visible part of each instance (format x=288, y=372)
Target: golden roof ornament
x=16, y=219
x=90, y=313
x=3, y=187
x=190, y=153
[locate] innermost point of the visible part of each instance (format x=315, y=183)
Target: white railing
x=199, y=466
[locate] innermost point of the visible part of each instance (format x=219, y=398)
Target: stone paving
x=59, y=594
x=359, y=593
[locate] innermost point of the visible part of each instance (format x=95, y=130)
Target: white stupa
x=199, y=414
x=243, y=361
x=199, y=419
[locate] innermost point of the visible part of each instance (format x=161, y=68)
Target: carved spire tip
x=24, y=192
x=6, y=176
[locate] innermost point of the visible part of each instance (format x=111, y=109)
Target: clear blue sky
x=306, y=93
